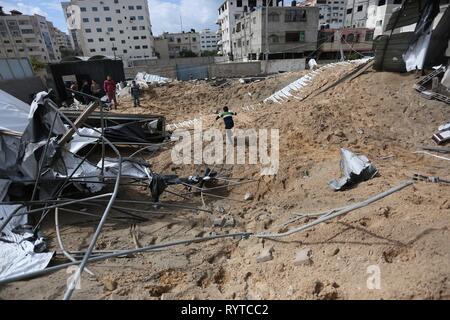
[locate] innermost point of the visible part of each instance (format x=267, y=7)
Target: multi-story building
x=291, y=33
x=332, y=12
x=208, y=40
x=373, y=14
x=62, y=39
x=26, y=36
x=115, y=28
x=347, y=41
x=183, y=43
x=232, y=10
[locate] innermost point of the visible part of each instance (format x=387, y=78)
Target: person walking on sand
x=135, y=93
x=227, y=117
x=110, y=89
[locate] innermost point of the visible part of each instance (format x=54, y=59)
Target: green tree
x=36, y=64
x=209, y=53
x=187, y=54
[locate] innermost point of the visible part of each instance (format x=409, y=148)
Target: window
x=142, y=28
x=381, y=2
x=397, y=1
x=239, y=3
x=369, y=36
x=97, y=19
x=108, y=19
x=349, y=11
x=88, y=30
x=112, y=39
x=90, y=40
x=274, y=17
x=125, y=51
x=360, y=8
x=92, y=50
x=106, y=8
x=116, y=1
x=134, y=28
x=119, y=21
x=95, y=9
x=130, y=7
x=143, y=37
x=103, y=49
x=123, y=41
x=137, y=47
x=295, y=36
x=83, y=9
x=101, y=40
x=136, y=38
x=274, y=39
x=110, y=29
x=121, y=31
x=99, y=29
x=295, y=15
x=194, y=39
x=379, y=23
x=141, y=18
x=117, y=10
x=138, y=7
x=27, y=31
x=85, y=20
x=144, y=47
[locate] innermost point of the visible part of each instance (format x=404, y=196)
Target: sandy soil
x=405, y=235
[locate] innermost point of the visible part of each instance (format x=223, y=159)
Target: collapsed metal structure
x=42, y=161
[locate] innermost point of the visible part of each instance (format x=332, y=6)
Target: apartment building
x=332, y=12
x=291, y=33
x=232, y=10
x=373, y=14
x=351, y=41
x=208, y=40
x=115, y=28
x=25, y=36
x=183, y=42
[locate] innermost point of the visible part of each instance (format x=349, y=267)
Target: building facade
x=291, y=33
x=332, y=12
x=208, y=40
x=182, y=43
x=354, y=42
x=232, y=10
x=373, y=14
x=114, y=28
x=24, y=36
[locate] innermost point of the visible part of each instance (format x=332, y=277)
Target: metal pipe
x=338, y=213
x=121, y=253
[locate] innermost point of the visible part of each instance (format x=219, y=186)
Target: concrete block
x=219, y=222
x=265, y=255
x=303, y=257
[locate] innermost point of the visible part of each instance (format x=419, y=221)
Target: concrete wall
x=23, y=89
x=276, y=66
x=165, y=67
x=162, y=48
x=234, y=69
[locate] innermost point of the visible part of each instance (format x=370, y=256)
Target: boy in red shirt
x=110, y=89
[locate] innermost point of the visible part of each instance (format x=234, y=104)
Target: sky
x=165, y=14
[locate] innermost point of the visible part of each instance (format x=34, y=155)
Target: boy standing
x=135, y=93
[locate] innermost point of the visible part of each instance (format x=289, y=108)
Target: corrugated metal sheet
x=408, y=14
